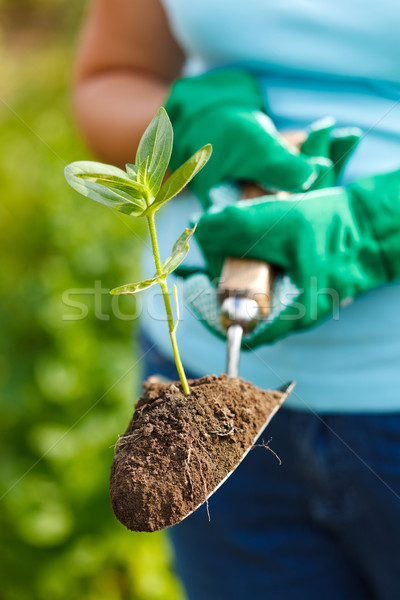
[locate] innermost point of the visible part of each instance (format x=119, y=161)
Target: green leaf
x=180, y=178
x=179, y=251
x=131, y=170
x=132, y=189
x=98, y=192
x=156, y=144
x=134, y=288
x=141, y=175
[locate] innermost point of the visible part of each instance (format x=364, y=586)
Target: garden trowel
x=245, y=290
x=245, y=287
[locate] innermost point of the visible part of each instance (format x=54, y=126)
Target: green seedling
x=139, y=192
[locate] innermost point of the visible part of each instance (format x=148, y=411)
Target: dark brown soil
x=178, y=449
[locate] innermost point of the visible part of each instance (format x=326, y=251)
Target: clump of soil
x=178, y=449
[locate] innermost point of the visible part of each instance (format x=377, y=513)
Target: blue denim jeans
x=323, y=525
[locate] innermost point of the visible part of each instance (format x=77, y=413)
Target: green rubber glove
x=333, y=244
x=323, y=139
x=225, y=108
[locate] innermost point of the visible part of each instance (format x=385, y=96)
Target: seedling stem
x=167, y=303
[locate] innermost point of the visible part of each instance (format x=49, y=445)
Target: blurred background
x=67, y=380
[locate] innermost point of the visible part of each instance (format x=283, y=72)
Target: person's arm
x=126, y=61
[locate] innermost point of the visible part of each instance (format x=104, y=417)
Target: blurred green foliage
x=67, y=385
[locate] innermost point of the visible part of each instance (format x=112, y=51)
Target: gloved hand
x=321, y=139
x=324, y=140
x=225, y=108
x=333, y=244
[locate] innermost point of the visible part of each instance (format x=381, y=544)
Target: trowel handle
x=244, y=277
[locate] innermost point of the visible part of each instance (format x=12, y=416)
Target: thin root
x=123, y=440
x=225, y=433
x=204, y=448
x=187, y=472
x=265, y=445
x=205, y=488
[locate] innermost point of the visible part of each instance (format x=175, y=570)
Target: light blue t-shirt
x=313, y=59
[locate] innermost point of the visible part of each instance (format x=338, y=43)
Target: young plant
x=139, y=192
